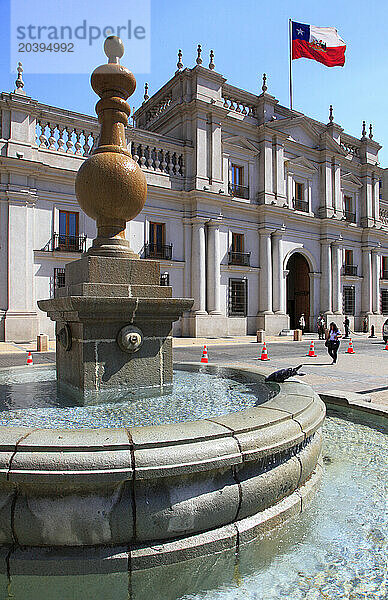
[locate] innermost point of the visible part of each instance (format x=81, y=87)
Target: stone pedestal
x=113, y=325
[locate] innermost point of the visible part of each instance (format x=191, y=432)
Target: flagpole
x=290, y=60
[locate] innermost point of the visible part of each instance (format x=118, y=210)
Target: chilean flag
x=319, y=43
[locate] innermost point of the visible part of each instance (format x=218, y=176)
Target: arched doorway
x=298, y=290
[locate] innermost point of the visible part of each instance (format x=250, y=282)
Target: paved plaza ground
x=365, y=372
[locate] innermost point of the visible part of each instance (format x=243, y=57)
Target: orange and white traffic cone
x=312, y=350
x=350, y=349
x=204, y=358
x=264, y=354
x=386, y=346
x=29, y=359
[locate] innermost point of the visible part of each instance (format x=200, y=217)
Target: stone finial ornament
x=370, y=132
x=146, y=96
x=179, y=64
x=211, y=63
x=331, y=118
x=199, y=51
x=110, y=186
x=363, y=132
x=19, y=83
x=264, y=86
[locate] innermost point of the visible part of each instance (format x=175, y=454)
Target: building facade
x=257, y=212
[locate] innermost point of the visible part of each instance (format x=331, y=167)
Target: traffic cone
x=29, y=359
x=350, y=349
x=386, y=346
x=264, y=354
x=312, y=351
x=204, y=358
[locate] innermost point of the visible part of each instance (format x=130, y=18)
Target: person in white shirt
x=333, y=341
x=302, y=323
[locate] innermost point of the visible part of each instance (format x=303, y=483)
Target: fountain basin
x=187, y=487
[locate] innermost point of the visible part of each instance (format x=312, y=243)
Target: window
x=349, y=212
x=349, y=300
x=68, y=238
x=384, y=302
x=299, y=191
x=237, y=242
x=349, y=267
x=165, y=279
x=59, y=278
x=384, y=267
x=299, y=201
x=237, y=175
x=238, y=297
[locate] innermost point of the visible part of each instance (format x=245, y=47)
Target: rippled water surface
x=336, y=550
x=29, y=398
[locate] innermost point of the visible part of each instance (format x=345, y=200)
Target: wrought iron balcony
x=384, y=275
x=239, y=191
x=350, y=216
x=239, y=258
x=350, y=270
x=301, y=205
x=163, y=251
x=66, y=243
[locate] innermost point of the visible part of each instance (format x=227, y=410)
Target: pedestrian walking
x=302, y=323
x=321, y=327
x=333, y=341
x=346, y=326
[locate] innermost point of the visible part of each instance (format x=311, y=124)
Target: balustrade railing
x=66, y=243
x=157, y=159
x=350, y=270
x=239, y=258
x=157, y=108
x=239, y=191
x=350, y=149
x=301, y=205
x=163, y=251
x=60, y=137
x=239, y=101
x=350, y=216
x=384, y=216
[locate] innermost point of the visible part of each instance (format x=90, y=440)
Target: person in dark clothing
x=346, y=325
x=333, y=341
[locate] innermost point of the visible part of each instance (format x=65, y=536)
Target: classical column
x=366, y=288
x=376, y=282
x=277, y=273
x=198, y=267
x=265, y=278
x=213, y=273
x=326, y=280
x=337, y=264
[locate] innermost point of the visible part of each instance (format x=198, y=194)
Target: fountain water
x=149, y=493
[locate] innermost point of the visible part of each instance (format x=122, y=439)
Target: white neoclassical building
x=257, y=212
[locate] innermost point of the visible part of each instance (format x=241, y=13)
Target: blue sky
x=249, y=37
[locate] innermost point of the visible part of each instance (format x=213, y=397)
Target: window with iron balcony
x=236, y=186
x=237, y=256
x=156, y=247
x=349, y=212
x=299, y=202
x=349, y=268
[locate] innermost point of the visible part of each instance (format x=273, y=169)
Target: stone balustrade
x=239, y=101
x=384, y=216
x=61, y=137
x=158, y=108
x=349, y=147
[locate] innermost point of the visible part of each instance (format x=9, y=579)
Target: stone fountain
x=113, y=318
x=141, y=496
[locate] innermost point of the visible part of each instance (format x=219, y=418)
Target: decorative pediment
x=350, y=181
x=242, y=143
x=300, y=165
x=328, y=143
x=298, y=129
